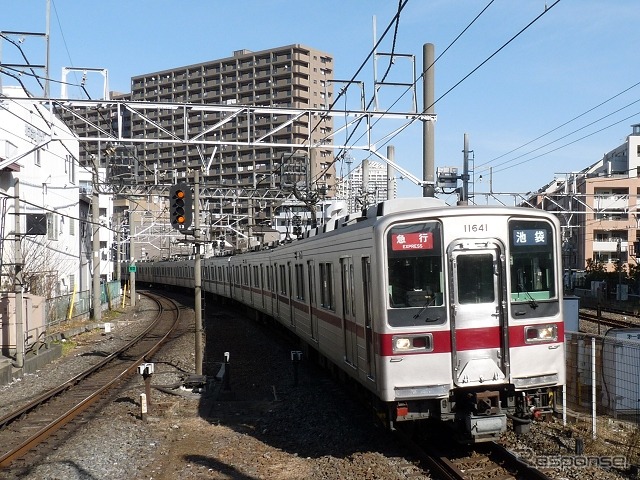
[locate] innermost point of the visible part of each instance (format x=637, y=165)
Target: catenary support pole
x=132, y=256
x=197, y=275
x=464, y=191
x=95, y=229
x=19, y=363
x=118, y=250
x=428, y=126
x=391, y=179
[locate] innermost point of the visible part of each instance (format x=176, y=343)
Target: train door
x=478, y=324
x=349, y=327
x=277, y=287
x=229, y=280
x=292, y=317
x=272, y=289
x=368, y=317
x=262, y=289
x=313, y=320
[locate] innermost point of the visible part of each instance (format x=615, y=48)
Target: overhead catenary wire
x=526, y=27
x=384, y=76
x=394, y=20
x=510, y=40
x=569, y=143
x=408, y=89
x=561, y=125
x=24, y=57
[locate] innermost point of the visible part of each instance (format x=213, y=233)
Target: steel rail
x=38, y=437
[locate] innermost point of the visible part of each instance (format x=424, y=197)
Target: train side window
x=299, y=281
x=326, y=286
x=256, y=277
x=269, y=279
x=283, y=280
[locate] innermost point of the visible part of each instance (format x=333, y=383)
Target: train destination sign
x=412, y=241
x=529, y=237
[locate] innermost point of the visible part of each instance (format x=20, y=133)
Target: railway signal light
x=180, y=206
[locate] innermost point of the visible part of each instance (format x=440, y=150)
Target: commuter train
x=438, y=312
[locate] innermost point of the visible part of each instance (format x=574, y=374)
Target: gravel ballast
x=266, y=426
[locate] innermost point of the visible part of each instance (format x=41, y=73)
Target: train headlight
x=541, y=333
x=412, y=343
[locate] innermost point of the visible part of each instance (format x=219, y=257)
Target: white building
x=293, y=218
x=35, y=150
x=106, y=231
x=366, y=185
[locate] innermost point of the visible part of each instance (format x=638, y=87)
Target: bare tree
x=44, y=265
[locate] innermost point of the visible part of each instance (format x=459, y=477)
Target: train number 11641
x=476, y=227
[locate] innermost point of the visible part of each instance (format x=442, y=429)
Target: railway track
x=44, y=420
x=458, y=462
x=610, y=319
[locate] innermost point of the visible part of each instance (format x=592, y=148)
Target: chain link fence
x=602, y=392
x=73, y=306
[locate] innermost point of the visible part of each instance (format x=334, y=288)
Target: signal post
x=184, y=209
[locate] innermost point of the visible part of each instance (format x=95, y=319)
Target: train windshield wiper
x=424, y=307
x=532, y=301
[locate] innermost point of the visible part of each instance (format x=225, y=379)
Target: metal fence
x=72, y=306
x=602, y=392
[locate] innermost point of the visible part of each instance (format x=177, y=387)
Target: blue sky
x=578, y=55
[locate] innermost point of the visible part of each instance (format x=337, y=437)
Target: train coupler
x=485, y=428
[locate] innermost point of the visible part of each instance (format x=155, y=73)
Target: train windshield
x=415, y=266
x=532, y=265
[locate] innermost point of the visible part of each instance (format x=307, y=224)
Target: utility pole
x=132, y=257
x=48, y=54
x=197, y=275
x=95, y=228
x=365, y=183
x=118, y=250
x=464, y=190
x=391, y=181
x=19, y=363
x=428, y=126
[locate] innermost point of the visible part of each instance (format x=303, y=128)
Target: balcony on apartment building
x=612, y=207
x=610, y=246
x=611, y=201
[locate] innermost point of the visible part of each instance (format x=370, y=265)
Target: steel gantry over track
x=183, y=134
x=105, y=124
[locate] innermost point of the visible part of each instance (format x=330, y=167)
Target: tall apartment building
x=292, y=76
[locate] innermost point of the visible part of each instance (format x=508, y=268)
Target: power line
x=563, y=125
x=393, y=46
x=570, y=143
x=395, y=20
x=24, y=57
x=410, y=122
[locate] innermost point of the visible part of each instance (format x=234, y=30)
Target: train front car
x=473, y=332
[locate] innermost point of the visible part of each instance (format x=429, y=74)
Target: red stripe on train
x=466, y=339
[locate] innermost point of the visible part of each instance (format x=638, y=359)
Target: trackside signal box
x=180, y=206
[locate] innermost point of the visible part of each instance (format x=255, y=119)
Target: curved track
x=27, y=427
